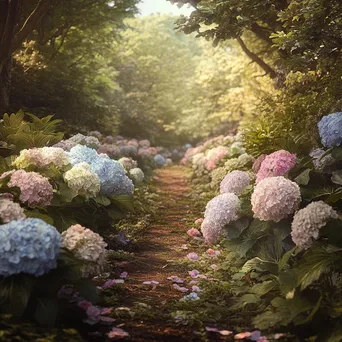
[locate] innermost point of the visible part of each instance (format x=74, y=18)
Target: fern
x=14, y=130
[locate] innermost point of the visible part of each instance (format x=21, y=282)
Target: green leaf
x=303, y=178
x=264, y=287
x=284, y=260
x=15, y=291
x=258, y=227
x=236, y=228
x=250, y=299
x=316, y=261
x=46, y=311
x=37, y=214
x=124, y=202
x=287, y=281
x=103, y=200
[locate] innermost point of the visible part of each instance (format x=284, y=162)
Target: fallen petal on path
x=117, y=333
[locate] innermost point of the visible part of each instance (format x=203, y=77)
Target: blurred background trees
x=94, y=65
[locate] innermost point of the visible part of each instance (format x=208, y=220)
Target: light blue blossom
x=330, y=130
x=80, y=154
x=159, y=160
x=28, y=246
x=190, y=297
x=112, y=177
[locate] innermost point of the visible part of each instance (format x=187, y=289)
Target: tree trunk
x=5, y=85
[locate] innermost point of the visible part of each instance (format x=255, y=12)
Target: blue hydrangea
x=128, y=151
x=330, y=130
x=159, y=160
x=80, y=154
x=28, y=246
x=112, y=177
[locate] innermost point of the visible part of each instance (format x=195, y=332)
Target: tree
x=18, y=19
x=49, y=23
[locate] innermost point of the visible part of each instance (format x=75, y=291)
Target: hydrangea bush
x=28, y=246
x=35, y=190
x=86, y=246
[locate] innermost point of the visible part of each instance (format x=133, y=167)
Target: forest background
x=272, y=67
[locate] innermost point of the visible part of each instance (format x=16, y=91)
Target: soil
x=155, y=260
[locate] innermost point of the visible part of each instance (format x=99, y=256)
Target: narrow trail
x=155, y=260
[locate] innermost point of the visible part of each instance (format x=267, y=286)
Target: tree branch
x=261, y=33
x=31, y=22
x=256, y=59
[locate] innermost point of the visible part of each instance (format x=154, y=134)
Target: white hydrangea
x=82, y=181
x=137, y=175
x=86, y=246
x=223, y=209
x=42, y=157
x=128, y=163
x=10, y=211
x=211, y=231
x=275, y=198
x=235, y=182
x=307, y=223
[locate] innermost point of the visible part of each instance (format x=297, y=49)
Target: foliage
x=18, y=134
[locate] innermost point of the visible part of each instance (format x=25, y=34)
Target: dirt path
x=155, y=260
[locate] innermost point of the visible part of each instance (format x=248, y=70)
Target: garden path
x=157, y=260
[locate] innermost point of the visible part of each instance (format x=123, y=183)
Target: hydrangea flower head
x=90, y=141
x=159, y=160
x=82, y=181
x=222, y=209
x=257, y=163
x=80, y=154
x=237, y=148
x=112, y=177
x=128, y=163
x=129, y=151
x=66, y=145
x=330, y=130
x=275, y=198
x=235, y=182
x=28, y=246
x=307, y=223
x=320, y=160
x=276, y=164
x=133, y=142
x=109, y=149
x=144, y=143
x=42, y=157
x=86, y=246
x=211, y=231
x=96, y=134
x=217, y=176
x=35, y=190
x=10, y=210
x=137, y=175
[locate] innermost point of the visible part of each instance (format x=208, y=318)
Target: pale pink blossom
x=193, y=232
x=192, y=256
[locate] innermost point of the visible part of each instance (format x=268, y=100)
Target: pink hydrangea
x=276, y=164
x=35, y=190
x=275, y=198
x=199, y=221
x=257, y=163
x=235, y=182
x=193, y=232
